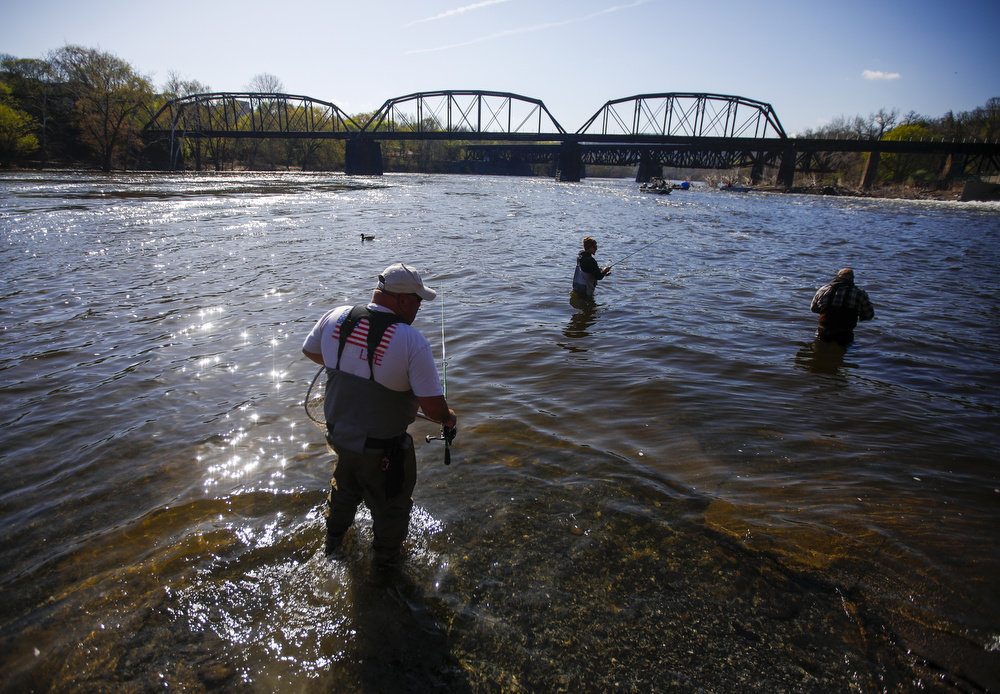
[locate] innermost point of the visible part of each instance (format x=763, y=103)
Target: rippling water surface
x=671, y=489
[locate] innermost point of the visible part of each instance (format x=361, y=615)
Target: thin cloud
x=879, y=75
x=458, y=10
x=529, y=29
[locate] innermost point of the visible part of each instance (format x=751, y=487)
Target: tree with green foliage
x=848, y=166
x=17, y=139
x=34, y=81
x=110, y=99
x=906, y=167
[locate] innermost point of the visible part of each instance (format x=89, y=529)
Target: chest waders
x=837, y=320
x=584, y=283
x=587, y=273
x=362, y=413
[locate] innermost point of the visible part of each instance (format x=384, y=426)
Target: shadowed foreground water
x=671, y=489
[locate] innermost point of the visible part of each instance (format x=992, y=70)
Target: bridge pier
x=871, y=170
x=363, y=158
x=786, y=169
x=648, y=168
x=954, y=166
x=570, y=166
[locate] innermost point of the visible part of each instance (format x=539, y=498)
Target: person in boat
x=840, y=305
x=587, y=270
x=380, y=370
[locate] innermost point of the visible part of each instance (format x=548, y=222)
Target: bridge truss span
x=250, y=114
x=468, y=114
x=650, y=131
x=676, y=114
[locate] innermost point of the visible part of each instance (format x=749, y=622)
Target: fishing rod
x=661, y=236
x=447, y=433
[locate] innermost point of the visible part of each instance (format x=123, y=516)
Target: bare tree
x=265, y=83
x=266, y=110
x=178, y=88
x=878, y=124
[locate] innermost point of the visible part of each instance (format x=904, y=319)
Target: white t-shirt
x=403, y=359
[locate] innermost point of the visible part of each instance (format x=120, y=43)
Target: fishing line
x=661, y=236
x=314, y=403
x=447, y=433
x=444, y=358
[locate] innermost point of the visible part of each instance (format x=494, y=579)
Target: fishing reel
x=447, y=435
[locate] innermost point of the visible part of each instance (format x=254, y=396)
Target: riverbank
x=892, y=192
x=899, y=192
x=982, y=192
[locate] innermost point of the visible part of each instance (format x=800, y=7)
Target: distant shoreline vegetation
x=85, y=108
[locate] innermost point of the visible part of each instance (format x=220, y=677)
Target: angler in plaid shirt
x=840, y=305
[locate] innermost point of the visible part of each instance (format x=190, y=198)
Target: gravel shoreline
x=893, y=193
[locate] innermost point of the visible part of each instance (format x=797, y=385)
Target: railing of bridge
x=677, y=114
x=477, y=114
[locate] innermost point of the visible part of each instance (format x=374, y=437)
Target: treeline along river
x=672, y=489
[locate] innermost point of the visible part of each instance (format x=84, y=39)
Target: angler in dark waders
x=840, y=305
x=380, y=370
x=587, y=270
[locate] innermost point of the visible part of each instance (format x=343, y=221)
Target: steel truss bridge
x=650, y=131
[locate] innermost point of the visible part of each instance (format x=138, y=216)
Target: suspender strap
x=347, y=327
x=378, y=323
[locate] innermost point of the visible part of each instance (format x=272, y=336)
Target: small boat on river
x=656, y=185
x=733, y=189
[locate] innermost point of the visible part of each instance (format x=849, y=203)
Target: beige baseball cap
x=404, y=279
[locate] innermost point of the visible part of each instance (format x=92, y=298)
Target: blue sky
x=812, y=61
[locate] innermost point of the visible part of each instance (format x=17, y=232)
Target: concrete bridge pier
x=757, y=170
x=570, y=167
x=363, y=158
x=648, y=168
x=871, y=170
x=786, y=169
x=954, y=165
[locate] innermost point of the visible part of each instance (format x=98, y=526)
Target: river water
x=671, y=489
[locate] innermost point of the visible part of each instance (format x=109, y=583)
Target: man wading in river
x=840, y=304
x=379, y=372
x=587, y=271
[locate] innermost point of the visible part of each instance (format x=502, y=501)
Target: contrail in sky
x=525, y=30
x=459, y=10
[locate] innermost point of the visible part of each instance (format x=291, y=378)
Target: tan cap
x=403, y=279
